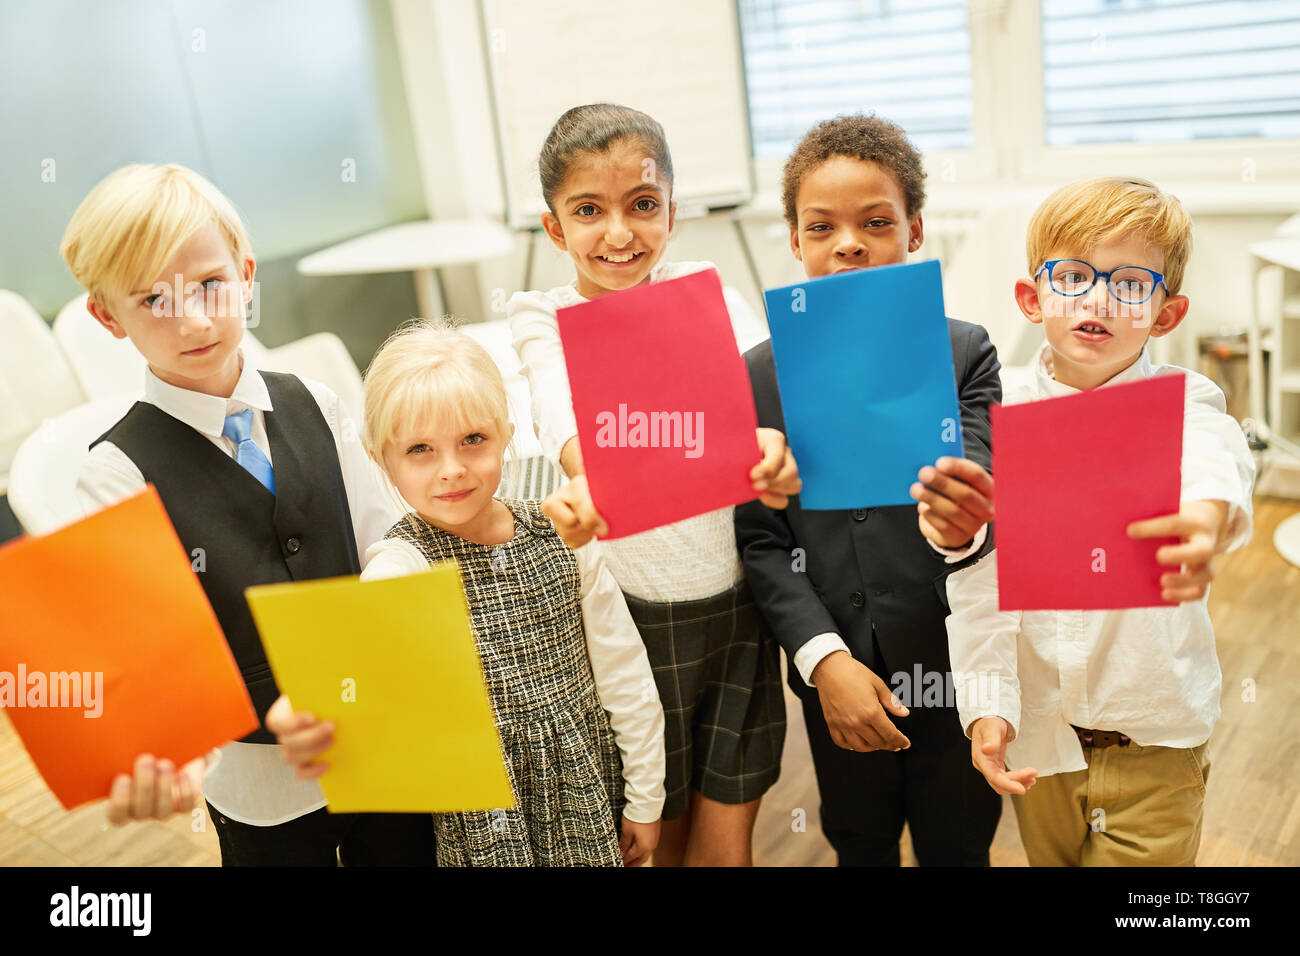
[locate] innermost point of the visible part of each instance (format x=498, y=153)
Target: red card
x=1071, y=474
x=665, y=412
x=110, y=649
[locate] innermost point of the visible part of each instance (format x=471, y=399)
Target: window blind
x=808, y=60
x=1170, y=70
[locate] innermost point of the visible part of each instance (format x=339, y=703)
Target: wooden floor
x=1252, y=812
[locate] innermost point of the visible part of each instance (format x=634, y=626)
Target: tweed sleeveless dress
x=564, y=765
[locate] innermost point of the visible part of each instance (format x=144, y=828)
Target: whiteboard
x=677, y=60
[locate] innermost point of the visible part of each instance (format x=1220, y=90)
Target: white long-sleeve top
x=1150, y=673
x=624, y=680
x=685, y=561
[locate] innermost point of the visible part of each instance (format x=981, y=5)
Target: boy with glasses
x=1106, y=713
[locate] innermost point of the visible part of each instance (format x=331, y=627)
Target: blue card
x=864, y=364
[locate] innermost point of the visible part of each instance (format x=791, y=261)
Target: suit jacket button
x=858, y=599
x=859, y=514
x=293, y=545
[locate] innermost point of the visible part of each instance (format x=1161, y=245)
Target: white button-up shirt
x=1150, y=673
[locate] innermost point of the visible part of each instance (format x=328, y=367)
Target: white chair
x=35, y=380
x=42, y=485
x=103, y=365
x=107, y=366
x=321, y=356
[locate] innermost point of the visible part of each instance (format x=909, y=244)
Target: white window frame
x=975, y=164
x=1205, y=161
x=1009, y=145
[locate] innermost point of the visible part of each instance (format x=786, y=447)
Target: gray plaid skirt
x=560, y=753
x=720, y=682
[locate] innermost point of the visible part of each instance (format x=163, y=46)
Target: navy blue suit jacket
x=869, y=569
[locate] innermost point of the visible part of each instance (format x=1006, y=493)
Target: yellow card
x=394, y=665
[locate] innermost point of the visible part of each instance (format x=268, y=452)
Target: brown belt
x=1101, y=738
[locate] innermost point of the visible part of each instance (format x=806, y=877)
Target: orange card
x=109, y=649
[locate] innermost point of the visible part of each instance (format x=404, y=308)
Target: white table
x=416, y=247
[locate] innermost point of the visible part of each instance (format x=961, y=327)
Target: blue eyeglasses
x=1131, y=285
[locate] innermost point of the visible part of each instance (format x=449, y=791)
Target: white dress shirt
x=249, y=783
x=624, y=680
x=1149, y=673
x=685, y=561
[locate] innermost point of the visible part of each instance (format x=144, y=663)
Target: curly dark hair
x=857, y=136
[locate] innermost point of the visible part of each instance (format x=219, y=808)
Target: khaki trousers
x=1133, y=806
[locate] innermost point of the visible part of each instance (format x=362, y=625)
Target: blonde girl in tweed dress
x=568, y=676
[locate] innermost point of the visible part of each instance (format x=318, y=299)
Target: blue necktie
x=238, y=428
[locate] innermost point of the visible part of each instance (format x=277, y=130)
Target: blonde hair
x=427, y=376
x=1081, y=215
x=133, y=221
